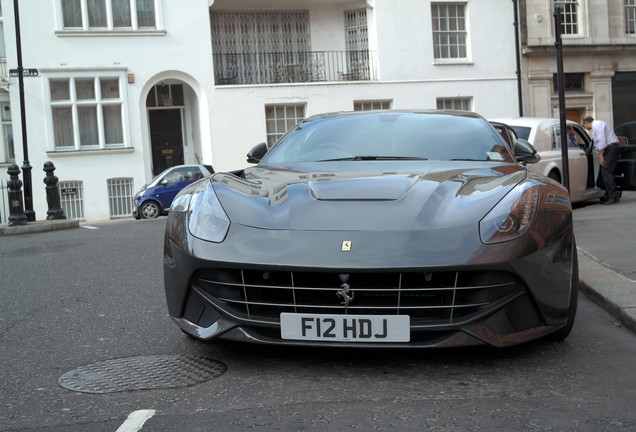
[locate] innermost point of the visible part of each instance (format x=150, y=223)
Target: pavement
x=606, y=241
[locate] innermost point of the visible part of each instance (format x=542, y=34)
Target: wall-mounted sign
x=68, y=191
x=25, y=72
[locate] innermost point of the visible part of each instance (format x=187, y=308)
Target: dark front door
x=166, y=139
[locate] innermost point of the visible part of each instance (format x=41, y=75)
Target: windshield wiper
x=466, y=159
x=372, y=157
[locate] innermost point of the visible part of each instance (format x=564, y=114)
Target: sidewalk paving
x=606, y=240
x=39, y=226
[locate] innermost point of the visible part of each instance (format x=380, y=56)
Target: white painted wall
x=224, y=122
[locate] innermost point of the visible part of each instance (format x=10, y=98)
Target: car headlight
x=512, y=217
x=206, y=218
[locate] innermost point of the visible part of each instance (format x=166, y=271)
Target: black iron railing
x=294, y=67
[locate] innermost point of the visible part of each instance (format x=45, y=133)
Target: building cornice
x=80, y=69
x=580, y=49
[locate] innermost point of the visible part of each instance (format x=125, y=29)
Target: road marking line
x=89, y=227
x=136, y=420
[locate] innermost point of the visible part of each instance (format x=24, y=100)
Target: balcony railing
x=294, y=67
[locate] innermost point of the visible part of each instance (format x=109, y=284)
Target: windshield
x=391, y=136
x=522, y=131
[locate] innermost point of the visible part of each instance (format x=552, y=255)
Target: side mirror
x=256, y=154
x=164, y=182
x=525, y=152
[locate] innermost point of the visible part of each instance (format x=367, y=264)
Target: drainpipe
x=518, y=56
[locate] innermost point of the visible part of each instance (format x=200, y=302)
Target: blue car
x=155, y=199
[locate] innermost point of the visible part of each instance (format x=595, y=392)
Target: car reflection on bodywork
x=376, y=229
x=545, y=135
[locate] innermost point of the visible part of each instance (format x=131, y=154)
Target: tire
x=554, y=175
x=564, y=331
x=149, y=210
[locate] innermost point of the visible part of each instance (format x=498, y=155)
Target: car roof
x=392, y=111
x=529, y=121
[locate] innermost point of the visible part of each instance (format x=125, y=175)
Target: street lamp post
x=26, y=167
x=562, y=121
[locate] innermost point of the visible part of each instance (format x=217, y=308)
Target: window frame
x=580, y=18
x=99, y=102
x=630, y=17
x=121, y=191
x=466, y=31
x=110, y=28
x=453, y=100
x=7, y=150
x=274, y=135
x=375, y=104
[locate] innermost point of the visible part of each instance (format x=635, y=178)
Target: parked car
x=628, y=130
x=155, y=198
x=507, y=133
x=544, y=135
x=380, y=228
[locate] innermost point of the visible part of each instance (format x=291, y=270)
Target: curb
x=39, y=226
x=609, y=289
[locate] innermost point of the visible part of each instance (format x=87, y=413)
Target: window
x=569, y=16
x=357, y=45
x=572, y=82
x=87, y=112
x=449, y=31
x=371, y=105
x=630, y=16
x=252, y=46
x=457, y=103
x=7, y=133
x=165, y=95
x=72, y=199
x=108, y=14
x=120, y=197
x=281, y=118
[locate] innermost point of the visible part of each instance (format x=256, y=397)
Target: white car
x=544, y=135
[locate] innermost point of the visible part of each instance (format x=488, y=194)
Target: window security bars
x=72, y=199
x=247, y=31
x=120, y=197
x=281, y=118
x=274, y=46
x=449, y=31
x=357, y=43
x=457, y=104
x=7, y=151
x=4, y=202
x=630, y=16
x=569, y=16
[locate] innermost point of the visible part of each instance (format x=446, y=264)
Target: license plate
x=345, y=328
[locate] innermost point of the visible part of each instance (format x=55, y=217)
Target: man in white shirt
x=606, y=144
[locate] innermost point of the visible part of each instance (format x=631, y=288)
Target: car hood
x=425, y=195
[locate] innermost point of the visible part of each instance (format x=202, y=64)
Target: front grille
x=434, y=298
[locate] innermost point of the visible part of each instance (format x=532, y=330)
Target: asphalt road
x=77, y=297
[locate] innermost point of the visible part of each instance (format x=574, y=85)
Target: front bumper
x=536, y=267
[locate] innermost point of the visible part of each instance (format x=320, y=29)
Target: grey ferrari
x=376, y=229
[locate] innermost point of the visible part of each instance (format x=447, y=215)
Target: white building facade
x=126, y=88
x=599, y=57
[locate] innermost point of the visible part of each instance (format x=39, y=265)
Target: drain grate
x=142, y=373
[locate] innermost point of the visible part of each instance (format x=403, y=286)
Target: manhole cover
x=142, y=373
